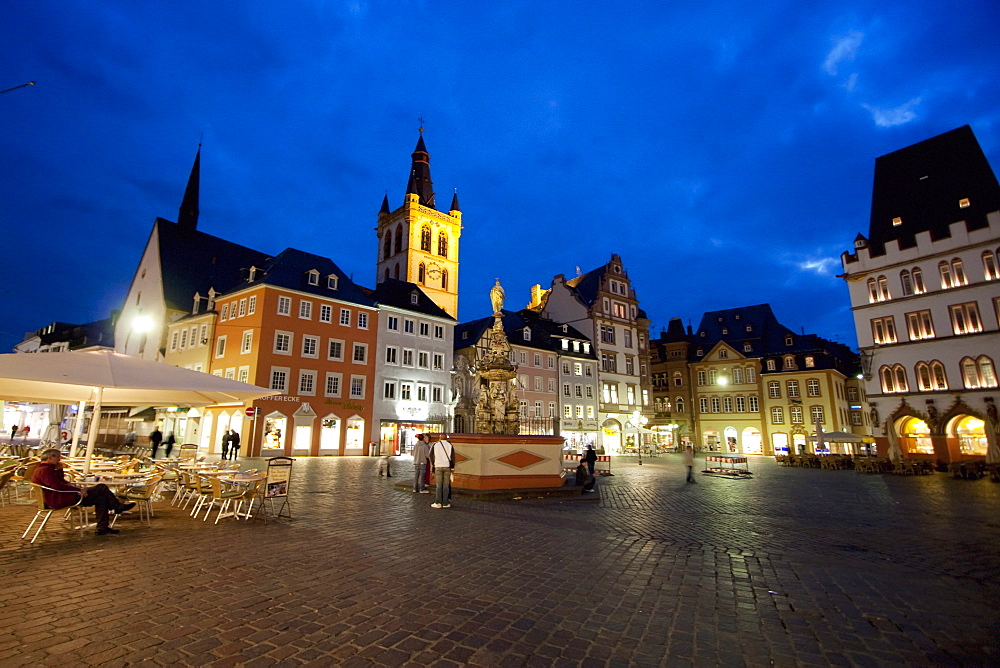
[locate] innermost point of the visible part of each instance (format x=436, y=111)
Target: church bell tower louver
x=418, y=243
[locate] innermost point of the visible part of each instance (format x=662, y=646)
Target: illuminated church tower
x=418, y=243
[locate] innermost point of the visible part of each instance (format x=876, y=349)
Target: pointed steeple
x=385, y=205
x=420, y=174
x=187, y=216
x=454, y=202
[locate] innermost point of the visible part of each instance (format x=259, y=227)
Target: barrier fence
x=602, y=465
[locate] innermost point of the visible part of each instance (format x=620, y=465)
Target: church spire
x=420, y=174
x=187, y=216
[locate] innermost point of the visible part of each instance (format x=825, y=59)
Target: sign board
x=250, y=411
x=279, y=477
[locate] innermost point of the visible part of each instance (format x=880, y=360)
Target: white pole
x=81, y=413
x=92, y=432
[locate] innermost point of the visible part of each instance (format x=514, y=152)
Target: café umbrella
x=106, y=377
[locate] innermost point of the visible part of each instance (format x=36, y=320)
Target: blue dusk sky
x=724, y=150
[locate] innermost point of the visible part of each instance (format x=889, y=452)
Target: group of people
x=155, y=440
x=230, y=444
x=439, y=457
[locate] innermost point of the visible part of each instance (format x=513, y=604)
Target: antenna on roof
x=577, y=270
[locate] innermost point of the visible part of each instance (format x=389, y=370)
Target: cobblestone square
x=792, y=567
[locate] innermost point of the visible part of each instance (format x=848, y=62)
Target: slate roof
x=922, y=185
x=397, y=293
x=587, y=285
x=545, y=334
x=768, y=338
x=193, y=261
x=289, y=269
x=99, y=332
x=420, y=174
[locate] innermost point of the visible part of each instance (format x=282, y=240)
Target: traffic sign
x=250, y=411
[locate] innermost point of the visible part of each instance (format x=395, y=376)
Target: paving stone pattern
x=793, y=567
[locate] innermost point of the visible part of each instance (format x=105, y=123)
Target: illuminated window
x=777, y=415
x=906, y=282
x=425, y=238
x=965, y=318
x=897, y=221
x=812, y=387
x=918, y=281
x=442, y=244
x=963, y=203
x=716, y=406
x=893, y=379
x=796, y=414
x=979, y=372
x=919, y=325
x=990, y=266
x=793, y=388
x=774, y=389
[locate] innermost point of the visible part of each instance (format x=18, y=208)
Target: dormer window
x=770, y=365
x=723, y=354
x=749, y=328
x=700, y=353
x=963, y=203
x=414, y=297
x=565, y=329
x=810, y=361
x=332, y=281
x=312, y=277
x=747, y=348
x=465, y=334
x=897, y=221
x=586, y=349
x=789, y=341
x=527, y=333
x=789, y=362
x=725, y=330
x=252, y=274
x=701, y=334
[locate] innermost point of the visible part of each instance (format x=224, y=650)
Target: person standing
x=130, y=439
x=591, y=458
x=13, y=433
x=225, y=444
x=419, y=464
x=24, y=432
x=169, y=444
x=234, y=444
x=442, y=458
x=689, y=463
x=155, y=439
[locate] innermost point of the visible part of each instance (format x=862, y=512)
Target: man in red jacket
x=49, y=473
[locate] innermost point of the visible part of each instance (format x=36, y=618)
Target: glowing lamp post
x=638, y=419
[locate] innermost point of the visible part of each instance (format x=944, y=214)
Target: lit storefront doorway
x=711, y=440
x=731, y=445
x=329, y=435
x=275, y=429
x=916, y=438
x=752, y=442
x=780, y=443
x=354, y=442
x=611, y=432
x=971, y=435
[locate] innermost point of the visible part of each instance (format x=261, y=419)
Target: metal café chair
x=44, y=512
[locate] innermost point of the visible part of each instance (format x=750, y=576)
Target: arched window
x=444, y=279
x=918, y=281
x=900, y=373
x=883, y=288
x=958, y=272
x=399, y=240
x=425, y=238
x=679, y=404
x=395, y=271
x=945, y=270
x=990, y=266
x=970, y=373
x=923, y=377
x=938, y=376
x=442, y=244
x=987, y=374
x=872, y=291
x=421, y=273
x=387, y=249
x=904, y=279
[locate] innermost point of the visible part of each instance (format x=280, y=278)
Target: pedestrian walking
x=130, y=439
x=591, y=457
x=169, y=444
x=24, y=432
x=689, y=463
x=155, y=439
x=225, y=444
x=420, y=464
x=13, y=433
x=442, y=458
x=234, y=444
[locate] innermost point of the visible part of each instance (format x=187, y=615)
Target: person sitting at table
x=49, y=473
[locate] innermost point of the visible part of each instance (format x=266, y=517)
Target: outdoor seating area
x=857, y=463
x=209, y=487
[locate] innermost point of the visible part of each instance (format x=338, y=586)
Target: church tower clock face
x=417, y=242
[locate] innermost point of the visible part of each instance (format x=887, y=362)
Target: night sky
x=724, y=150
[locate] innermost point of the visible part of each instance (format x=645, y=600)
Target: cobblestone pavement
x=792, y=567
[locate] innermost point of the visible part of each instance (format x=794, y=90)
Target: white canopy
x=72, y=377
x=108, y=377
x=838, y=437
